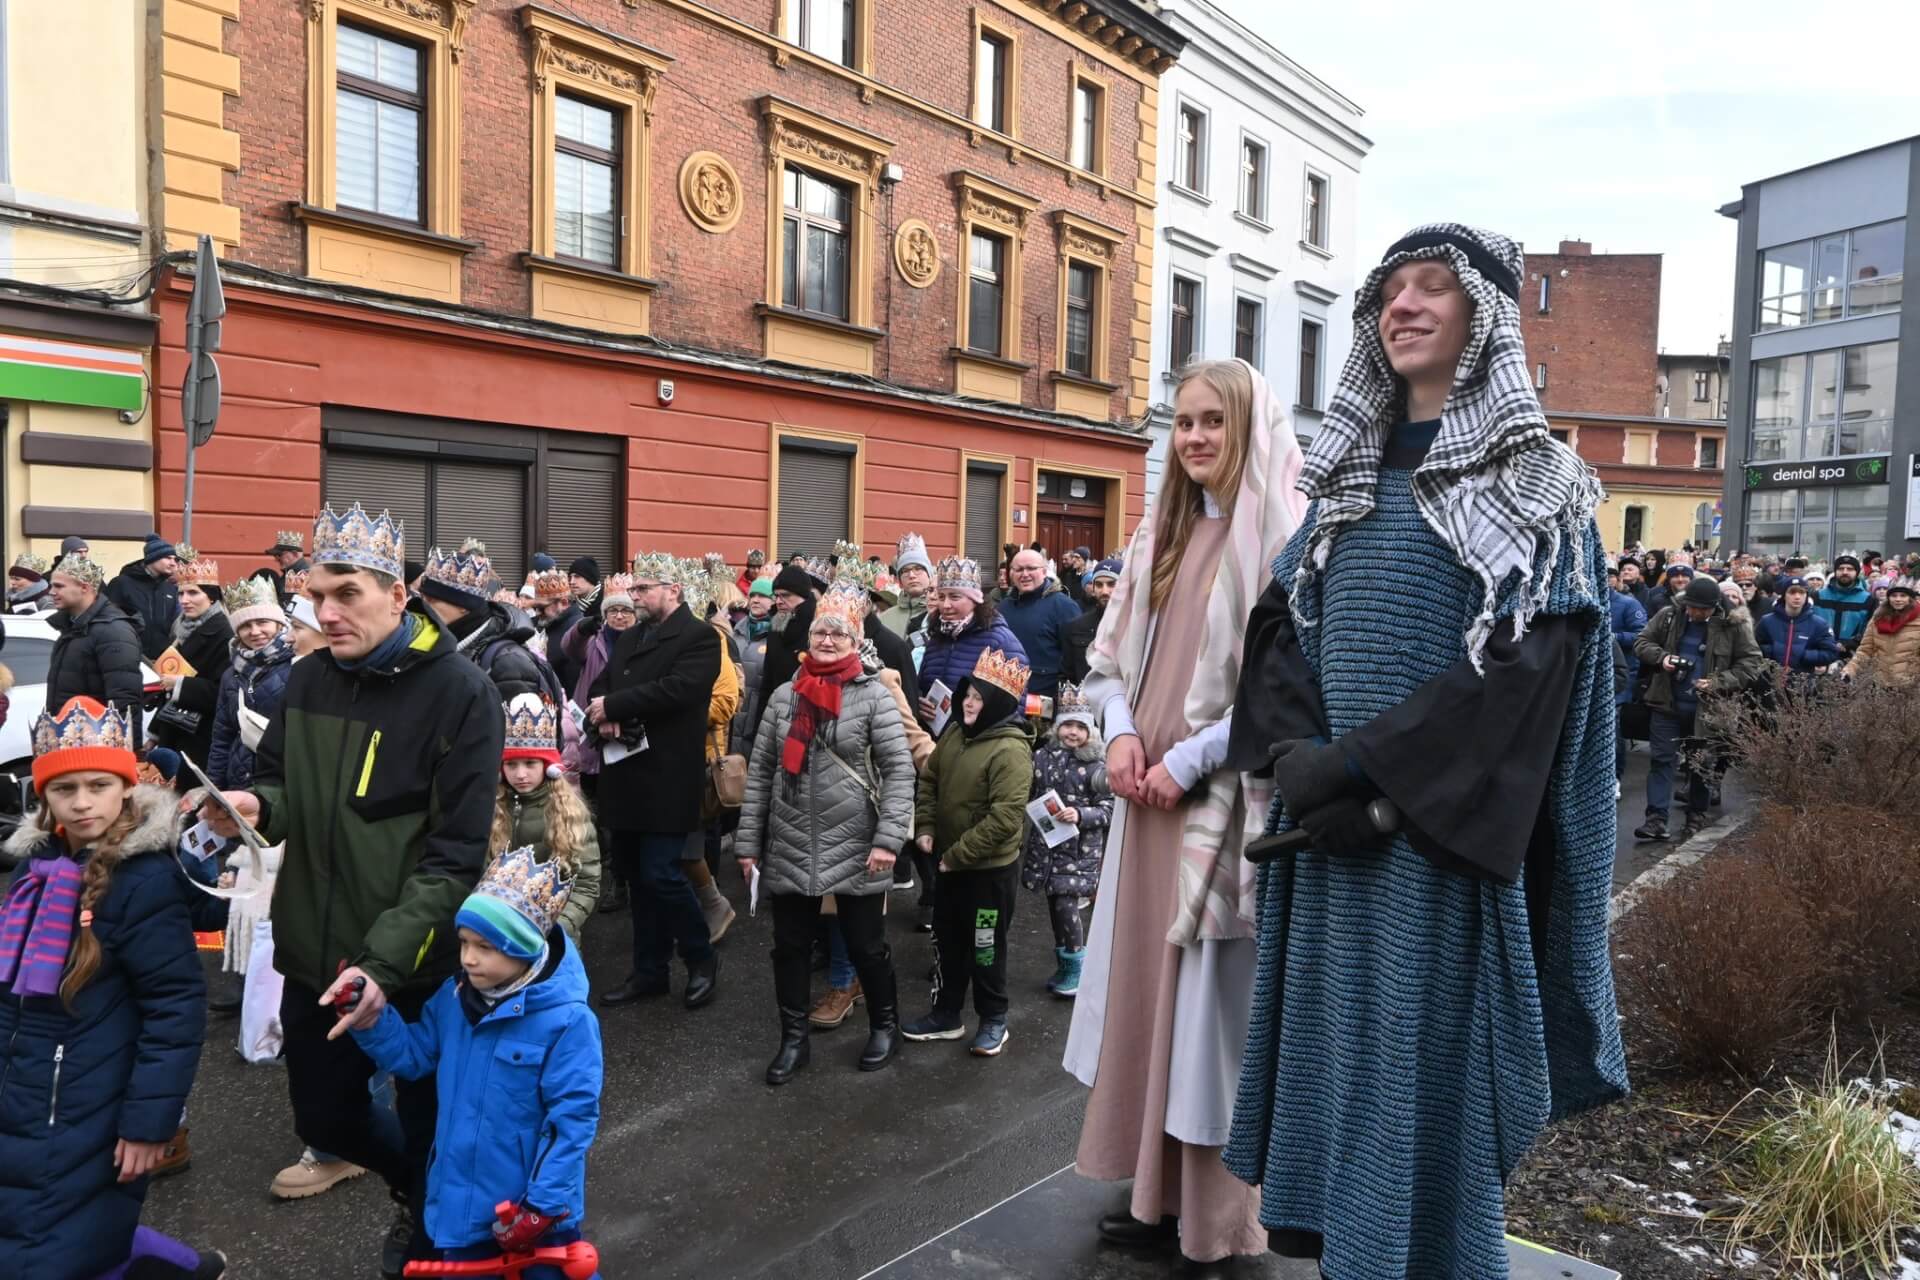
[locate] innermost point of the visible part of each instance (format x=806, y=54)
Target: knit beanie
x=761, y=587
x=543, y=562
x=302, y=612
x=793, y=579
x=1702, y=593
x=516, y=903
x=85, y=735
x=70, y=545
x=585, y=567
x=158, y=548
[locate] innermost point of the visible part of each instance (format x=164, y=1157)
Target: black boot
x=883, y=1024
x=795, y=1048
x=1129, y=1232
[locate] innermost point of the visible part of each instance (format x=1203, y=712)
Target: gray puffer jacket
x=814, y=839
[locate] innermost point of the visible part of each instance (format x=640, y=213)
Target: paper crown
x=80, y=724
x=819, y=570
x=472, y=547
x=533, y=890
x=1071, y=704
x=957, y=573
x=467, y=575
x=911, y=549
x=1909, y=585
x=357, y=540
x=289, y=540
x=251, y=600
x=844, y=550
x=533, y=729
x=854, y=569
x=191, y=570
x=656, y=566
x=844, y=606
x=696, y=586
x=28, y=563
x=714, y=564
x=81, y=569
x=618, y=590
x=552, y=584
x=296, y=581
x=1003, y=671
x=756, y=556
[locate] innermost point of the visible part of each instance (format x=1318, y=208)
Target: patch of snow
x=1684, y=1166
x=1628, y=1183
x=1906, y=1134
x=1908, y=1269
x=1744, y=1258
x=1679, y=1202
x=1691, y=1252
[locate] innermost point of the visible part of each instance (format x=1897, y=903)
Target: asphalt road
x=700, y=1170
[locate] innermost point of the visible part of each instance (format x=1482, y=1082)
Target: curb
x=1625, y=899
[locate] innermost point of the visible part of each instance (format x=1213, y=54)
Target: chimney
x=1575, y=249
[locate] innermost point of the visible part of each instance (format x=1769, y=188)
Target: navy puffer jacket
x=230, y=760
x=120, y=1065
x=950, y=659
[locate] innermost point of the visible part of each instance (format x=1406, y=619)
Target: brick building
x=752, y=273
x=1591, y=322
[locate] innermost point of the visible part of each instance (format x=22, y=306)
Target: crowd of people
x=405, y=789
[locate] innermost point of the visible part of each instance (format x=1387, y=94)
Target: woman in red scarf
x=1890, y=647
x=829, y=806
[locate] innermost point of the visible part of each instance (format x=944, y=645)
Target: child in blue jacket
x=516, y=1052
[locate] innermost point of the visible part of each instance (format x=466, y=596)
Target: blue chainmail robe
x=1406, y=1044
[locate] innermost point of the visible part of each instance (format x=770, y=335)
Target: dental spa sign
x=1834, y=471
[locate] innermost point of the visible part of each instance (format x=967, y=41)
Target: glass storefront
x=1827, y=404
x=1816, y=523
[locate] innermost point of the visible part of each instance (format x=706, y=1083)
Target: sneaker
x=1693, y=826
x=935, y=1026
x=923, y=918
x=213, y=1265
x=393, y=1250
x=309, y=1176
x=989, y=1040
x=1652, y=829
x=175, y=1157
x=832, y=1008
x=907, y=883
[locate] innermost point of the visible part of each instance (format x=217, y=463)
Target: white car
x=28, y=651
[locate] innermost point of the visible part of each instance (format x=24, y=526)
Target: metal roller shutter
x=384, y=482
x=583, y=508
x=983, y=515
x=473, y=500
x=816, y=499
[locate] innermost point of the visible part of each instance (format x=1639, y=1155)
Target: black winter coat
x=894, y=652
x=209, y=651
x=151, y=603
x=563, y=666
x=97, y=655
x=120, y=1065
x=1076, y=639
x=497, y=641
x=659, y=678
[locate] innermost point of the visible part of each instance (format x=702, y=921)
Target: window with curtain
x=1308, y=395
x=1246, y=330
x=586, y=181
x=986, y=292
x=1191, y=158
x=814, y=247
x=991, y=86
x=1253, y=179
x=380, y=125
x=1082, y=285
x=1185, y=329
x=1086, y=125
x=824, y=27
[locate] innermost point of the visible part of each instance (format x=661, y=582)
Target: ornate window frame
x=1090, y=244
x=364, y=249
x=819, y=145
x=1080, y=74
x=1001, y=211
x=623, y=76
x=985, y=24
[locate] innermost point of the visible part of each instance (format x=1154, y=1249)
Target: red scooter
x=576, y=1261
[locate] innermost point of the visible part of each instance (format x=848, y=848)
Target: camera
x=1683, y=666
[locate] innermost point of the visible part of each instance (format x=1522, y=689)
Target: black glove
x=1341, y=827
x=1309, y=775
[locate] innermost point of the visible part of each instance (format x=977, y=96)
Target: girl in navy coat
x=258, y=669
x=516, y=1055
x=102, y=1011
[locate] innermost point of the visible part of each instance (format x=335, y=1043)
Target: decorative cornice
x=590, y=54
x=1192, y=243
x=794, y=132
x=1086, y=238
x=1248, y=265
x=1129, y=29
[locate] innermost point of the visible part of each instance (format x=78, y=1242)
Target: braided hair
x=83, y=959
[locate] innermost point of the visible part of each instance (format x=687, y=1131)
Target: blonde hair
x=83, y=958
x=1181, y=501
x=566, y=814
x=725, y=595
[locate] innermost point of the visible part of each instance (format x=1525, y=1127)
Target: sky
x=1626, y=125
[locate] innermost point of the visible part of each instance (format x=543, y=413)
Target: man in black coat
x=97, y=653
x=794, y=593
x=145, y=592
x=1079, y=634
x=649, y=709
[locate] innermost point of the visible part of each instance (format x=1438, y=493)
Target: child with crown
x=516, y=1054
x=539, y=807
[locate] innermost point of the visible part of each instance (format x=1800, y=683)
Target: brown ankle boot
x=176, y=1157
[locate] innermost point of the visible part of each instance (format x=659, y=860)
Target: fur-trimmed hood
x=1094, y=752
x=158, y=829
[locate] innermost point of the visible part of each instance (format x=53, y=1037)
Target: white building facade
x=1259, y=183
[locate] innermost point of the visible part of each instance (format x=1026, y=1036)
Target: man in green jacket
x=379, y=775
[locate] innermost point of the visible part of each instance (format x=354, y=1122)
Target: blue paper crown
x=533, y=724
x=78, y=728
x=465, y=573
x=535, y=890
x=360, y=541
x=957, y=573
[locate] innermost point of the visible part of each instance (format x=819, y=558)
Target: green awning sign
x=71, y=373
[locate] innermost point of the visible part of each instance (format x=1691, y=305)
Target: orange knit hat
x=85, y=735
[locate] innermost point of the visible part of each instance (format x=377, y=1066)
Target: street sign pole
x=200, y=392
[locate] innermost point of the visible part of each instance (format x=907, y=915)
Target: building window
x=1089, y=142
x=1703, y=524
x=380, y=125
x=1540, y=377
x=986, y=291
x=1186, y=323
x=1850, y=273
x=1308, y=395
x=1246, y=330
x=1815, y=523
x=1826, y=404
x=818, y=491
x=993, y=96
x=814, y=242
x=1710, y=453
x=825, y=27
x=586, y=181
x=1253, y=179
x=1546, y=284
x=1082, y=286
x=1190, y=159
x=1314, y=222
x=1702, y=386
x=1634, y=526
x=1563, y=434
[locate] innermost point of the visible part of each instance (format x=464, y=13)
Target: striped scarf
x=1496, y=487
x=36, y=925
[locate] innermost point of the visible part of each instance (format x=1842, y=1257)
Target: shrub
x=1718, y=965
x=1810, y=752
x=1829, y=1186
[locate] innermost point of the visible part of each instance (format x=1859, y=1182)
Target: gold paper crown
x=756, y=556
x=819, y=570
x=655, y=566
x=296, y=581
x=1070, y=703
x=533, y=724
x=79, y=728
x=695, y=586
x=957, y=573
x=359, y=541
x=1003, y=671
x=535, y=890
x=190, y=570
x=844, y=550
x=552, y=584
x=31, y=563
x=249, y=593
x=846, y=603
x=81, y=569
x=854, y=569
x=289, y=540
x=466, y=573
x=715, y=564
x=911, y=549
x=618, y=584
